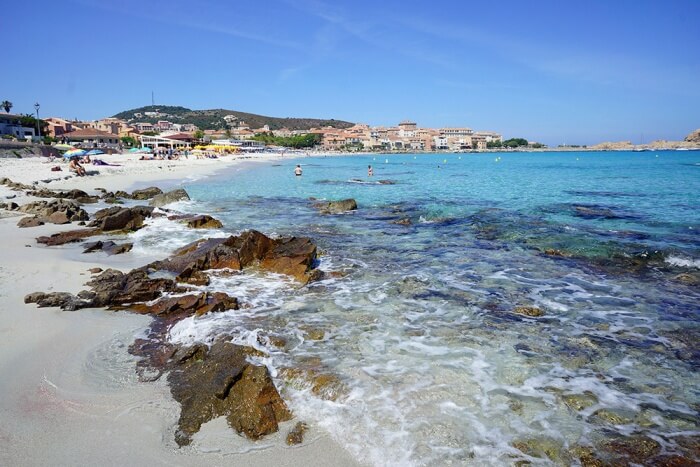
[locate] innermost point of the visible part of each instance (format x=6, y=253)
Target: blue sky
x=550, y=71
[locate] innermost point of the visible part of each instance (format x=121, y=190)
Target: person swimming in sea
x=297, y=170
x=370, y=171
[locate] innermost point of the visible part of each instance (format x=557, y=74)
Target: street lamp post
x=38, y=131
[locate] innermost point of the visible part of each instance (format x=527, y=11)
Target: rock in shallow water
x=531, y=311
x=169, y=197
x=218, y=381
x=336, y=207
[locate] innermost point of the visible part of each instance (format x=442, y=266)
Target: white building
x=11, y=124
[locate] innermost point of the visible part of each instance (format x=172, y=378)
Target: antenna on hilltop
x=153, y=99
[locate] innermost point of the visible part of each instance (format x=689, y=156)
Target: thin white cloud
x=169, y=14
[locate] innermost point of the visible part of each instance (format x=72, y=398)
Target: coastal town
x=117, y=133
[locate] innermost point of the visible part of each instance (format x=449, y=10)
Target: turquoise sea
x=416, y=320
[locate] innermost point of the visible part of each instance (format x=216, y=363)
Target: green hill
x=214, y=119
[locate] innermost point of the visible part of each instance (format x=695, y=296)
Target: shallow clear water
x=432, y=365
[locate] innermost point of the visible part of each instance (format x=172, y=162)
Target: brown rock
x=193, y=277
x=58, y=217
x=218, y=381
x=325, y=385
x=122, y=220
x=95, y=270
x=29, y=222
x=336, y=207
x=294, y=257
x=203, y=222
x=146, y=193
x=639, y=449
x=296, y=435
x=169, y=197
x=531, y=311
x=70, y=236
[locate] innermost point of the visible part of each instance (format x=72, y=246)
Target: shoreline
x=71, y=388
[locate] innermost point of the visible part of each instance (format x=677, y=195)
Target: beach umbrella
x=76, y=153
x=63, y=147
x=145, y=149
x=134, y=150
x=94, y=152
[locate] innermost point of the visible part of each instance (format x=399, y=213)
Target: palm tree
x=7, y=105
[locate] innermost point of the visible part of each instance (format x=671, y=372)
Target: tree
x=128, y=141
x=28, y=120
x=515, y=142
x=199, y=134
x=7, y=105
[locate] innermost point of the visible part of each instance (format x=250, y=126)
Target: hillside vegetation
x=213, y=119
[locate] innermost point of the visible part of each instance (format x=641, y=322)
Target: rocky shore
x=207, y=381
x=219, y=380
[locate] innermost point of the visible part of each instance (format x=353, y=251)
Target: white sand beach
x=70, y=392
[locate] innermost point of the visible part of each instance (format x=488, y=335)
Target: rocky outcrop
x=187, y=305
x=169, y=197
x=108, y=247
x=119, y=218
x=693, y=137
x=199, y=221
x=146, y=193
x=56, y=211
x=336, y=207
x=218, y=381
x=70, y=236
x=78, y=195
x=292, y=256
x=214, y=381
x=29, y=222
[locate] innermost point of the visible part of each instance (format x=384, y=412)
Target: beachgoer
x=370, y=172
x=297, y=170
x=75, y=166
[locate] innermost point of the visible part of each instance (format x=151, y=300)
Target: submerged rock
x=531, y=311
x=544, y=448
x=336, y=207
x=580, y=402
x=203, y=222
x=638, y=448
x=296, y=434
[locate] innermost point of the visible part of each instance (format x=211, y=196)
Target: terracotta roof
x=180, y=136
x=89, y=133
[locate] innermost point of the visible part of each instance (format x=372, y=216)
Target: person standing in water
x=297, y=170
x=370, y=172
